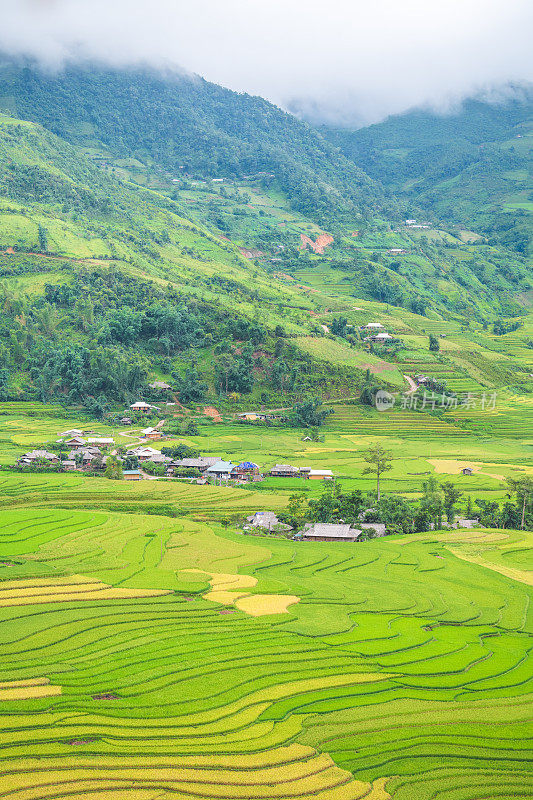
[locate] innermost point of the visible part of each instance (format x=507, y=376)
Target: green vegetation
x=407, y=681
x=154, y=647
x=471, y=167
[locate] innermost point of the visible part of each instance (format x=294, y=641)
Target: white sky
x=349, y=58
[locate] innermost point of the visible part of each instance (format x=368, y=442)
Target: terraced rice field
x=400, y=673
x=406, y=424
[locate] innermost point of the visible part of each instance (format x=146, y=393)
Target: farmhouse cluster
x=317, y=531
x=376, y=334
x=86, y=452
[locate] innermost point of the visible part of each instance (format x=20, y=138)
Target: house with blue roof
x=245, y=470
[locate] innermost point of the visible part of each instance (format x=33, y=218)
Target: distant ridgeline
x=472, y=166
x=183, y=122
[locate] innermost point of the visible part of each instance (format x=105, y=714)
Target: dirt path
x=412, y=385
x=9, y=251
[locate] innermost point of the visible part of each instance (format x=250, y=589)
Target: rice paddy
x=401, y=668
x=150, y=651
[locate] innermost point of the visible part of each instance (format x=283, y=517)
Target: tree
x=191, y=389
x=396, y=513
x=379, y=461
x=522, y=487
x=309, y=414
x=43, y=239
x=4, y=384
x=434, y=344
x=451, y=496
x=431, y=503
x=113, y=469
x=297, y=510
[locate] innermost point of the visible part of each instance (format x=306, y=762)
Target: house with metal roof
x=140, y=405
x=329, y=532
x=161, y=385
x=266, y=519
x=317, y=474
x=38, y=455
x=246, y=469
x=132, y=475
x=284, y=471
x=74, y=441
x=201, y=463
x=143, y=453
x=222, y=470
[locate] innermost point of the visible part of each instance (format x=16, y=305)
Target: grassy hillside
x=142, y=283
x=182, y=123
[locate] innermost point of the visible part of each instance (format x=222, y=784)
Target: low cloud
x=345, y=60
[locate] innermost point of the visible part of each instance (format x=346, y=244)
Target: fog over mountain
x=345, y=61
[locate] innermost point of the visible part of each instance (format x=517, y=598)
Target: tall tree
x=431, y=502
x=379, y=461
x=522, y=487
x=451, y=496
x=43, y=239
x=113, y=469
x=434, y=344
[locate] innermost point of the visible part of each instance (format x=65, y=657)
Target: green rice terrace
x=397, y=670
x=145, y=655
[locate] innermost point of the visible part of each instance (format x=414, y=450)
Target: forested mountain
x=472, y=167
x=183, y=124
x=125, y=257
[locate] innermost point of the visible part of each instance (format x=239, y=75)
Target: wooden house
x=284, y=471
x=316, y=474
x=132, y=475
x=329, y=532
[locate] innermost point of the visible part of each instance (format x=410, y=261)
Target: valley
x=214, y=281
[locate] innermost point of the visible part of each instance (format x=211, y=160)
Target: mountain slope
x=105, y=283
x=471, y=167
x=114, y=274
x=185, y=124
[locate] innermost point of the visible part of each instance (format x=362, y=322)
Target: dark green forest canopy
x=459, y=166
x=184, y=123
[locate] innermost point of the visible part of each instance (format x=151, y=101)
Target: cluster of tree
x=502, y=326
x=309, y=414
x=189, y=427
x=179, y=451
x=190, y=387
x=75, y=374
x=517, y=509
x=234, y=370
x=118, y=325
